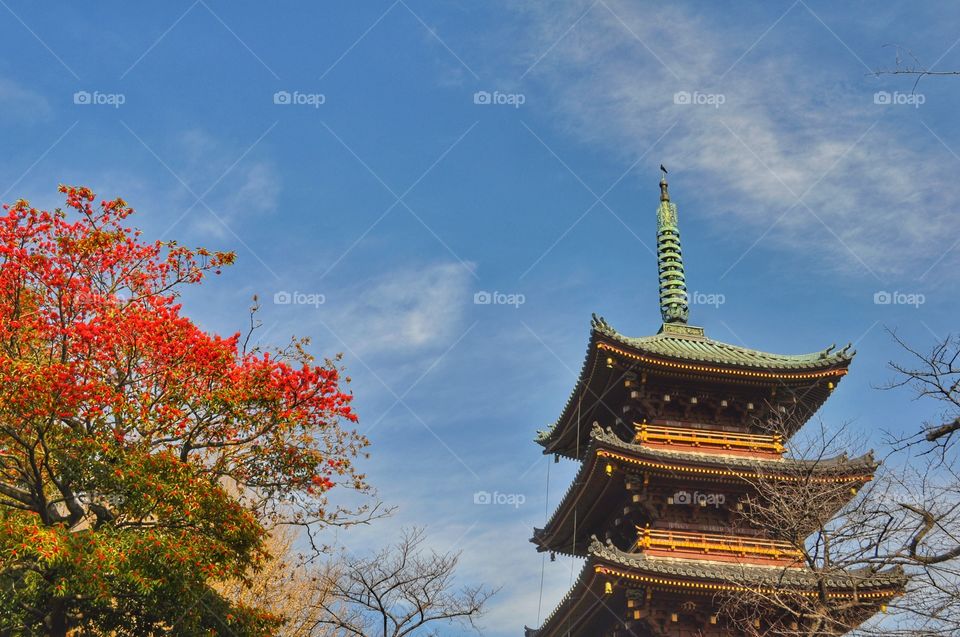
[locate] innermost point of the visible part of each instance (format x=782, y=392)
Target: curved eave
x=585, y=604
x=555, y=536
x=800, y=370
x=578, y=607
x=698, y=349
x=838, y=468
x=591, y=487
x=552, y=438
x=709, y=576
x=720, y=371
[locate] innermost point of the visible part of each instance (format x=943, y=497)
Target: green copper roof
x=585, y=488
x=673, y=287
x=749, y=574
x=840, y=465
x=687, y=343
x=892, y=580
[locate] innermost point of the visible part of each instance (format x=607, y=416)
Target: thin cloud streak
x=865, y=208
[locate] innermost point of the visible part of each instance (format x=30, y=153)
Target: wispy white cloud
x=795, y=148
x=239, y=186
x=257, y=189
x=21, y=102
x=402, y=311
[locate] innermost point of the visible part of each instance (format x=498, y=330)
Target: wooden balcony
x=703, y=440
x=729, y=548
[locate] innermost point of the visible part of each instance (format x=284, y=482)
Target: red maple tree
x=140, y=456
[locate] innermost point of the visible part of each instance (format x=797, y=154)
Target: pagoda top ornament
x=674, y=301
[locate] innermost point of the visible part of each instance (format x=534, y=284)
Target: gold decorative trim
x=675, y=583
x=603, y=453
x=722, y=370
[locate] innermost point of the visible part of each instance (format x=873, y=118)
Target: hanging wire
x=573, y=545
x=543, y=561
x=546, y=510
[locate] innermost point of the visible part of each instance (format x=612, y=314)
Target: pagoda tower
x=674, y=434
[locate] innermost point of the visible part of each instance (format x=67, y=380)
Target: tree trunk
x=55, y=623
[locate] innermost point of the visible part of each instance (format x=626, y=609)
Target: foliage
x=122, y=422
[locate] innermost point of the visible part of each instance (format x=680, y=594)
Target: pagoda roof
x=684, y=349
x=583, y=609
x=840, y=465
x=688, y=343
x=744, y=574
x=594, y=488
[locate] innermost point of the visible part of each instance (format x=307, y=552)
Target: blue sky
x=384, y=187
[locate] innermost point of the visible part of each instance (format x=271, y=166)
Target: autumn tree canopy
x=140, y=456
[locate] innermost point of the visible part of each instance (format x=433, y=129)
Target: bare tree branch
x=402, y=590
x=913, y=68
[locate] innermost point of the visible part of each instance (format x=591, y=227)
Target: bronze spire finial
x=664, y=194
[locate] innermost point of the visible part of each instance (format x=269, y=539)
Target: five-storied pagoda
x=672, y=433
